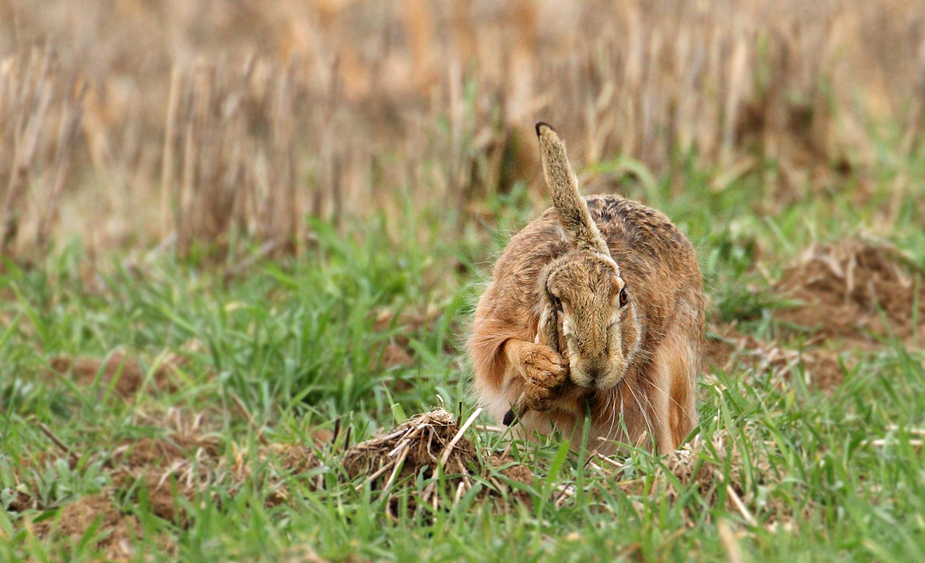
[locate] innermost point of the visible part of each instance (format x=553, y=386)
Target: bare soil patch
x=116, y=532
x=395, y=356
x=179, y=464
x=697, y=464
x=184, y=460
x=397, y=350
x=846, y=297
x=188, y=461
x=819, y=367
x=169, y=468
x=725, y=346
x=125, y=371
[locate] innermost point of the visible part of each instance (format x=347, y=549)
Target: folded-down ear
x=548, y=331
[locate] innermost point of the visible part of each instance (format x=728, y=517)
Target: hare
x=594, y=309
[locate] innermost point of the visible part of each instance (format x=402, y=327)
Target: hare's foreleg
x=543, y=372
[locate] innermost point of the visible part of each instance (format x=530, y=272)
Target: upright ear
x=570, y=206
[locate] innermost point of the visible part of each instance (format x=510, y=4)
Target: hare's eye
x=623, y=297
x=557, y=303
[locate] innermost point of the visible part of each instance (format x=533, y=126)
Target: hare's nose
x=595, y=373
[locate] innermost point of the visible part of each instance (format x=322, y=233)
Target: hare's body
x=550, y=341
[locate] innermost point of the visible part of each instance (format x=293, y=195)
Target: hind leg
x=673, y=382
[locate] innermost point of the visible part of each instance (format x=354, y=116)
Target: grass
x=284, y=349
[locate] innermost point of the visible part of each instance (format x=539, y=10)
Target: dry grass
x=192, y=124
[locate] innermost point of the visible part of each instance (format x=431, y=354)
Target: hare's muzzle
x=598, y=373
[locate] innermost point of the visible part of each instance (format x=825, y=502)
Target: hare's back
x=631, y=226
x=643, y=241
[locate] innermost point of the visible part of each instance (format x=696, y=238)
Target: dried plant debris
x=418, y=443
x=227, y=131
x=417, y=448
x=423, y=447
x=856, y=290
x=845, y=297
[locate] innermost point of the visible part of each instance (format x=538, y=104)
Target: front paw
x=546, y=372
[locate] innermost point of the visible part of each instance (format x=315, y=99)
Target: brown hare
x=594, y=308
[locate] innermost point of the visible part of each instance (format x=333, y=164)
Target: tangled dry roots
x=416, y=447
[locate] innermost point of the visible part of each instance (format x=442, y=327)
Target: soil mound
x=856, y=290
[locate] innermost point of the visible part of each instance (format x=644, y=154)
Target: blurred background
x=178, y=124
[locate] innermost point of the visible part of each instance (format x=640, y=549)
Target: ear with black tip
x=540, y=125
x=570, y=206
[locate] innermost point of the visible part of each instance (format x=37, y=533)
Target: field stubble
x=195, y=127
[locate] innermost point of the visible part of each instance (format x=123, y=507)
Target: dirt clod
x=20, y=501
x=395, y=356
x=729, y=469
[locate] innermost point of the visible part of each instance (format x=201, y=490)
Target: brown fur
x=633, y=367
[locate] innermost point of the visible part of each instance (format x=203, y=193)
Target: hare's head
x=588, y=306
